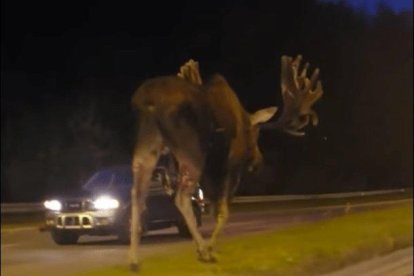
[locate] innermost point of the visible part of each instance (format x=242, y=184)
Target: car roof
x=120, y=168
x=125, y=174
x=116, y=169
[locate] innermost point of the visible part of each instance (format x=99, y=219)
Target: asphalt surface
x=398, y=263
x=28, y=251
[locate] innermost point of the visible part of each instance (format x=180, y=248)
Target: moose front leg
x=221, y=214
x=221, y=206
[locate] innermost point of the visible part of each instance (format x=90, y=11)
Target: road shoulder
x=397, y=263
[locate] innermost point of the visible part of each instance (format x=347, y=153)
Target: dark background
x=68, y=70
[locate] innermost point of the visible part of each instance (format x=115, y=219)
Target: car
x=103, y=207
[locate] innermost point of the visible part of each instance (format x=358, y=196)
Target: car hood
x=70, y=194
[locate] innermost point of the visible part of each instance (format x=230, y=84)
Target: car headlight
x=200, y=194
x=53, y=205
x=105, y=202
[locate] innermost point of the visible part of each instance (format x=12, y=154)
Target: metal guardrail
x=252, y=199
x=16, y=208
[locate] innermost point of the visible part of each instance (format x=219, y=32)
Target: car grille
x=74, y=221
x=76, y=205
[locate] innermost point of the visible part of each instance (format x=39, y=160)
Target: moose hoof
x=206, y=256
x=134, y=267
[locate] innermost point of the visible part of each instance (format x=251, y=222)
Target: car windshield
x=106, y=179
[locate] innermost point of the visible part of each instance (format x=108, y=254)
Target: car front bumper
x=83, y=221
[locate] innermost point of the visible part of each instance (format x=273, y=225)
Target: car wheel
x=183, y=230
x=63, y=237
x=197, y=214
x=124, y=232
x=124, y=236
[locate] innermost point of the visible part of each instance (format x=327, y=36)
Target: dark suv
x=103, y=206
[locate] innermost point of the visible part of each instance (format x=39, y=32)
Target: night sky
x=49, y=37
x=371, y=5
x=68, y=41
x=54, y=38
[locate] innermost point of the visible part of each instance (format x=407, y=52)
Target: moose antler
x=299, y=93
x=190, y=72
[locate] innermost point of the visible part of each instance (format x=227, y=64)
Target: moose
x=212, y=136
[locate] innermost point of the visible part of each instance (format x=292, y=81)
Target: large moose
x=213, y=138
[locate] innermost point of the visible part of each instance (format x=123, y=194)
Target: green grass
x=308, y=249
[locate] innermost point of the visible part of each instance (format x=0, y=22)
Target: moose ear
x=262, y=115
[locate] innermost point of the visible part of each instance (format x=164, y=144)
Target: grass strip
x=308, y=249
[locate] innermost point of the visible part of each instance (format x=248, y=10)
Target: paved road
x=398, y=263
x=30, y=252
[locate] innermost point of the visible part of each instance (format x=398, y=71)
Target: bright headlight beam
x=53, y=205
x=200, y=194
x=105, y=202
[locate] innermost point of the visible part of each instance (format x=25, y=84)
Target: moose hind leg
x=145, y=157
x=183, y=202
